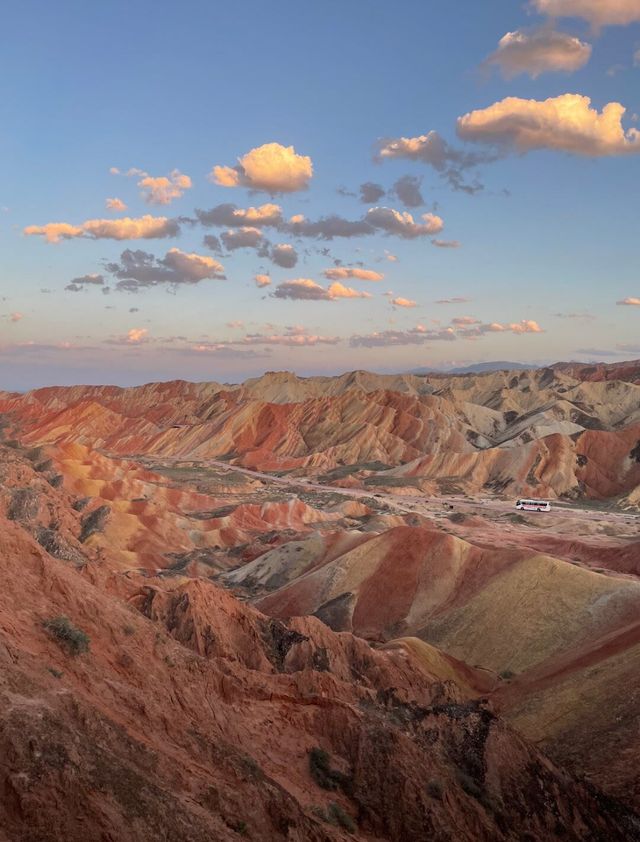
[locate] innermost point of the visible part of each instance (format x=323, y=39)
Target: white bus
x=533, y=505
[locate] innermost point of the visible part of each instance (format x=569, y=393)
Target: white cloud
x=540, y=51
x=629, y=302
x=566, y=123
x=271, y=167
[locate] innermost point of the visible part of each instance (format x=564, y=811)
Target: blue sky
x=544, y=250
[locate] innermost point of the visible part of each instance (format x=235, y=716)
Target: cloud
x=629, y=302
x=16, y=317
x=293, y=337
x=343, y=272
x=236, y=323
x=139, y=269
x=262, y=280
x=524, y=326
x=402, y=224
x=162, y=190
x=565, y=123
x=284, y=255
x=539, y=51
x=392, y=258
x=403, y=302
x=305, y=289
x=240, y=238
x=212, y=242
x=446, y=244
x=338, y=290
x=126, y=228
x=115, y=205
x=137, y=335
x=597, y=12
x=407, y=189
x=583, y=315
x=231, y=216
x=415, y=336
x=371, y=192
x=636, y=58
x=465, y=320
x=77, y=284
x=272, y=167
x=433, y=150
x=456, y=300
x=328, y=227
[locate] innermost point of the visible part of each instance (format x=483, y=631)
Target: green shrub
x=323, y=774
x=435, y=790
x=507, y=674
x=71, y=638
x=338, y=816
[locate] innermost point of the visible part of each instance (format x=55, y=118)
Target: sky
x=209, y=191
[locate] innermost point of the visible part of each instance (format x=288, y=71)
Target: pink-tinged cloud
x=629, y=302
x=271, y=167
x=305, y=289
x=137, y=335
x=418, y=335
x=403, y=302
x=539, y=51
x=235, y=324
x=338, y=290
x=392, y=258
x=344, y=272
x=597, y=12
x=564, y=123
x=162, y=190
x=262, y=280
x=402, y=223
x=245, y=237
x=16, y=317
x=267, y=215
x=126, y=228
x=115, y=204
x=465, y=320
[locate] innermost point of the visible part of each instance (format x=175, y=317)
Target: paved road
x=418, y=504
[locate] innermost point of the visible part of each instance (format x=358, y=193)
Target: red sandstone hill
x=137, y=708
x=544, y=433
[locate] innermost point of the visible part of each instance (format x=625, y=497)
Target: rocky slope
x=137, y=708
x=545, y=432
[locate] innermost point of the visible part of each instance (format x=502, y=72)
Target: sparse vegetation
x=323, y=774
x=506, y=675
x=71, y=638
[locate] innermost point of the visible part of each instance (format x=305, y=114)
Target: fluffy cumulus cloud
x=305, y=289
x=262, y=280
x=407, y=189
x=139, y=269
x=403, y=302
x=629, y=302
x=567, y=123
x=116, y=205
x=127, y=228
x=433, y=150
x=271, y=167
x=137, y=335
x=343, y=272
x=540, y=51
x=402, y=223
x=240, y=238
x=162, y=190
x=82, y=282
x=16, y=317
x=598, y=12
x=284, y=255
x=231, y=216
